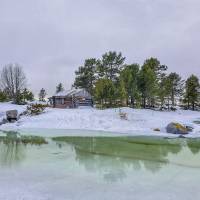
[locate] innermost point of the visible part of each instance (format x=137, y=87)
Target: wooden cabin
x=71, y=99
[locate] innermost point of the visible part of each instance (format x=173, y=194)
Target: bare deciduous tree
x=13, y=80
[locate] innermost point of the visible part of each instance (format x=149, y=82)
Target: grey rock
x=12, y=115
x=176, y=128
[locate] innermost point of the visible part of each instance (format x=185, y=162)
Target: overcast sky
x=51, y=38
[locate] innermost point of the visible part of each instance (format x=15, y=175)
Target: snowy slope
x=139, y=120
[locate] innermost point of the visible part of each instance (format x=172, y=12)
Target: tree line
x=112, y=82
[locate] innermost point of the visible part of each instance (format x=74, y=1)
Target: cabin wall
x=70, y=102
x=84, y=101
x=62, y=102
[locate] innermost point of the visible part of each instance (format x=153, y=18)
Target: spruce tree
x=59, y=88
x=42, y=94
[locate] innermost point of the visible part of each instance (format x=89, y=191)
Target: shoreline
x=45, y=132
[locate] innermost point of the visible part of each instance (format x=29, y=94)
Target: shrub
x=35, y=109
x=3, y=96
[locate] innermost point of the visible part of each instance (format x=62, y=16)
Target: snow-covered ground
x=139, y=121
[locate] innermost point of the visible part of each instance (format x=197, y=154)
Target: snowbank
x=139, y=121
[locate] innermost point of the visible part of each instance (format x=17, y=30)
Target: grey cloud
x=52, y=38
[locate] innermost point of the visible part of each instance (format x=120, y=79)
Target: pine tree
x=42, y=94
x=164, y=90
x=175, y=87
x=159, y=71
x=85, y=76
x=155, y=65
x=110, y=65
x=147, y=85
x=59, y=88
x=26, y=95
x=123, y=93
x=104, y=91
x=130, y=75
x=192, y=91
x=30, y=96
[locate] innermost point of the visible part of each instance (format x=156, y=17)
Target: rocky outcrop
x=176, y=128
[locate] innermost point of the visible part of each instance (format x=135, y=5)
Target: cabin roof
x=76, y=92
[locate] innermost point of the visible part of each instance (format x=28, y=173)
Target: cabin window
x=60, y=101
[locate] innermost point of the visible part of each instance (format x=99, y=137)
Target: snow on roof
x=82, y=92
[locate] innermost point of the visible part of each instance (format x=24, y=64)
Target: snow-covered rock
x=4, y=107
x=11, y=114
x=176, y=128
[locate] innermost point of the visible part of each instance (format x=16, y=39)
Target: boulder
x=176, y=128
x=12, y=115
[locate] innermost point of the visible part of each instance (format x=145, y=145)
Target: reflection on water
x=11, y=153
x=13, y=147
x=111, y=157
x=99, y=168
x=194, y=145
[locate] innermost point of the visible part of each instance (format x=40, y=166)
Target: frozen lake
x=100, y=168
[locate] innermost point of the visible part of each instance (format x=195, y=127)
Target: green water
x=100, y=168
